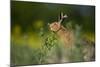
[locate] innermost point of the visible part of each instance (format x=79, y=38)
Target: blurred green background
x=29, y=21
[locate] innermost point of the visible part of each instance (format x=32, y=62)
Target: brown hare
x=65, y=35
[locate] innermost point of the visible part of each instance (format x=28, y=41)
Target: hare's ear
x=65, y=16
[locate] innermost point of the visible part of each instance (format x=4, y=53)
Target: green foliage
x=50, y=41
x=51, y=51
x=23, y=54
